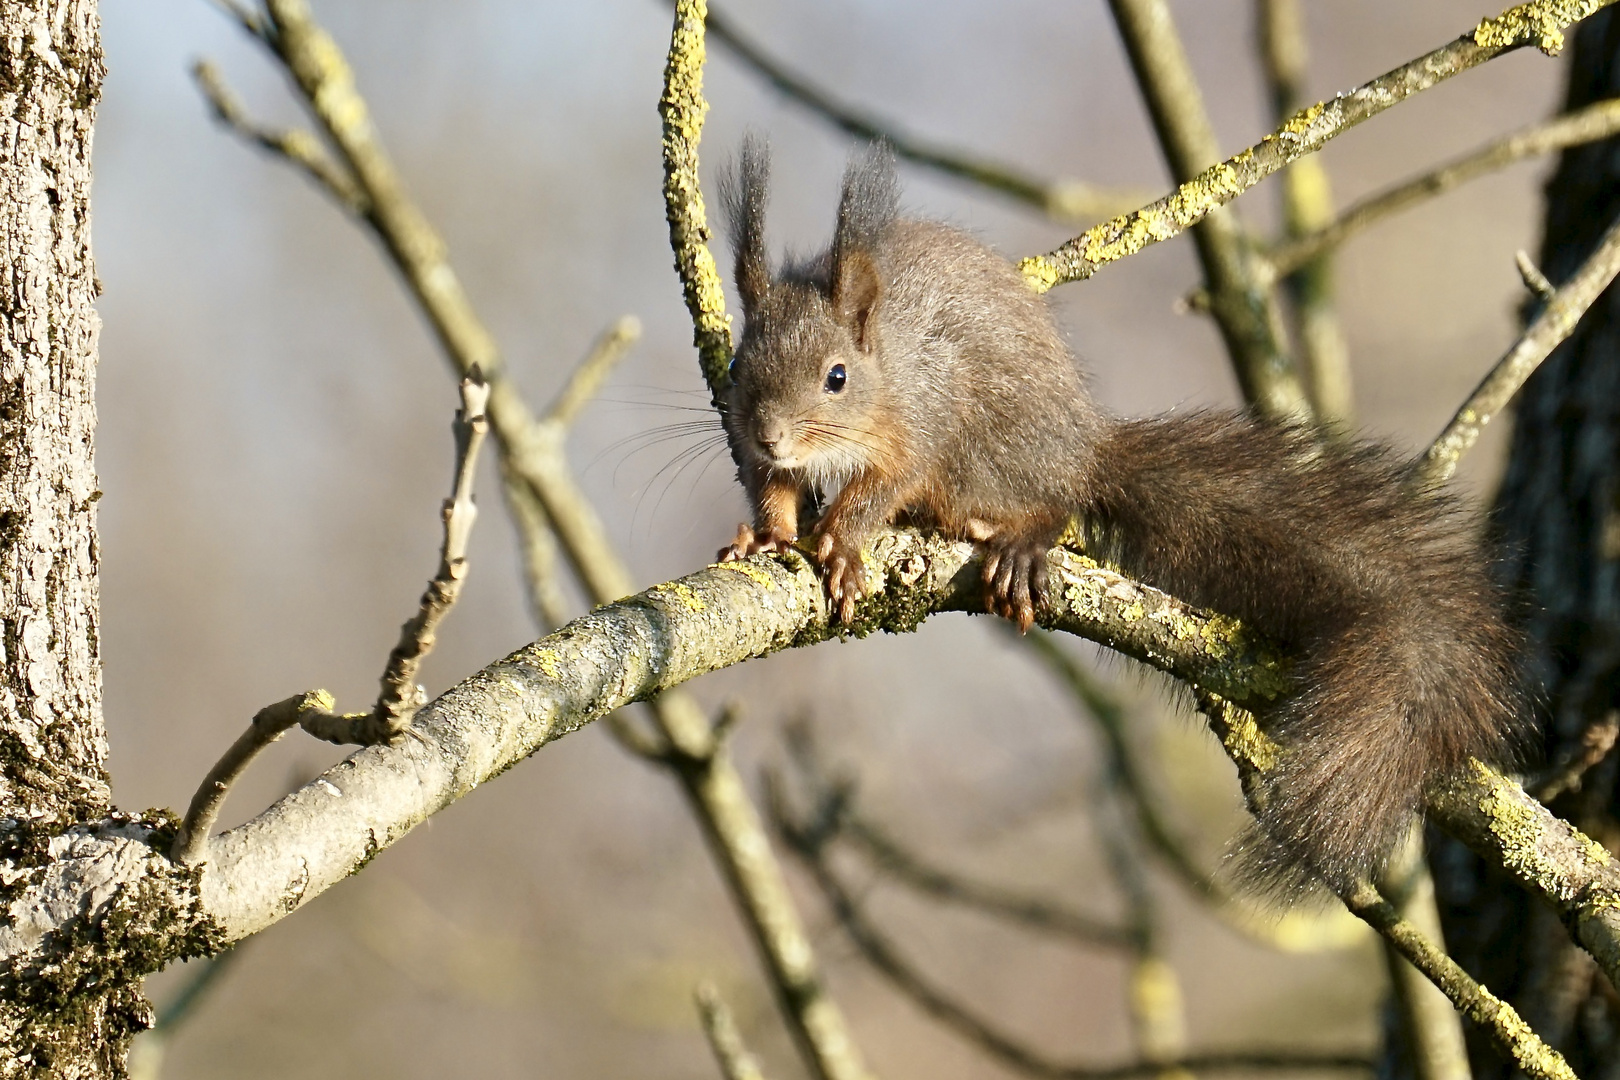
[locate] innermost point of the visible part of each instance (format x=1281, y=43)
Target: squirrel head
x=806, y=388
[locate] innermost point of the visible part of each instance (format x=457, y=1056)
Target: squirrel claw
x=749, y=542
x=843, y=571
x=1015, y=582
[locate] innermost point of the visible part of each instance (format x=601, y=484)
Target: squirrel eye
x=836, y=379
x=731, y=368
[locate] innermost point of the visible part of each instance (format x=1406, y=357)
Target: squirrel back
x=909, y=372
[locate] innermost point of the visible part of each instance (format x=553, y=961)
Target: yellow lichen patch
x=1516, y=831
x=1596, y=853
x=1301, y=122
x=682, y=593
x=1244, y=741
x=1540, y=23
x=1040, y=272
x=750, y=571
x=547, y=659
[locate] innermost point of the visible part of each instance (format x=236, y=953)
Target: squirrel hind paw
x=1015, y=581
x=843, y=572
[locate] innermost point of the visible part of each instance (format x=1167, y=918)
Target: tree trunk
x=53, y=746
x=1559, y=521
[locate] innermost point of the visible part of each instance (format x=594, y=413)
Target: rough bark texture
x=53, y=747
x=1560, y=522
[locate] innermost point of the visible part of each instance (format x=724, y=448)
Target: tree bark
x=1558, y=519
x=53, y=745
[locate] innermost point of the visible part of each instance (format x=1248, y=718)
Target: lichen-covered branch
x=1510, y=1032
x=1066, y=201
x=1555, y=322
x=1244, y=305
x=542, y=485
x=1540, y=24
x=683, y=108
x=1582, y=126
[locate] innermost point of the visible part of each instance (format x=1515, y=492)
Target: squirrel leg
x=867, y=501
x=776, y=517
x=1015, y=573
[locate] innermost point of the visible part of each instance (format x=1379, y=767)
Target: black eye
x=731, y=368
x=836, y=379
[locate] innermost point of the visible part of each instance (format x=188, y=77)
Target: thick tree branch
x=1067, y=201
x=1540, y=23
x=545, y=497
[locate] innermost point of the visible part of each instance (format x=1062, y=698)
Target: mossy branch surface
x=1540, y=24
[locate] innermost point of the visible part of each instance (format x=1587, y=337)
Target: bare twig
x=1510, y=1033
x=587, y=378
x=1534, y=279
x=1067, y=201
x=1540, y=23
x=533, y=452
x=1555, y=322
x=1597, y=741
x=271, y=722
x=1030, y=912
x=807, y=840
x=1244, y=305
x=297, y=147
x=1307, y=202
x=730, y=1053
x=1586, y=125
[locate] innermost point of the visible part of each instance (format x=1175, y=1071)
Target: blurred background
x=275, y=444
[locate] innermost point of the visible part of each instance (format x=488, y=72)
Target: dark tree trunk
x=1559, y=523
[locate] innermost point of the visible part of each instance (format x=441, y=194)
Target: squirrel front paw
x=749, y=542
x=843, y=573
x=1015, y=580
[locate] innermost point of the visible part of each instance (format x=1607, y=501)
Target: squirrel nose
x=771, y=433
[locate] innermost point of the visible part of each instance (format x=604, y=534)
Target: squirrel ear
x=856, y=291
x=743, y=189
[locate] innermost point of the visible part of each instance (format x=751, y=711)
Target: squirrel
x=910, y=373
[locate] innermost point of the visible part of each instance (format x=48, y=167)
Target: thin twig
x=247, y=18
x=297, y=147
x=1596, y=743
x=1507, y=1030
x=1586, y=125
x=730, y=1052
x=1540, y=23
x=270, y=723
x=806, y=840
x=1534, y=279
x=533, y=451
x=1067, y=201
x=587, y=378
x=1030, y=912
x=1555, y=322
x=1244, y=305
x=1307, y=202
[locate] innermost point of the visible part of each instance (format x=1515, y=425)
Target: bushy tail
x=1405, y=665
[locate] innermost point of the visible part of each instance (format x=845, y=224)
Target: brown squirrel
x=910, y=372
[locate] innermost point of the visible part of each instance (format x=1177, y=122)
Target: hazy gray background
x=274, y=447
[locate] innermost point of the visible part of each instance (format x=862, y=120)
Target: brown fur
x=958, y=404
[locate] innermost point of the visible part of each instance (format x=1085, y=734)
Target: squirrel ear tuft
x=744, y=188
x=856, y=290
x=868, y=206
